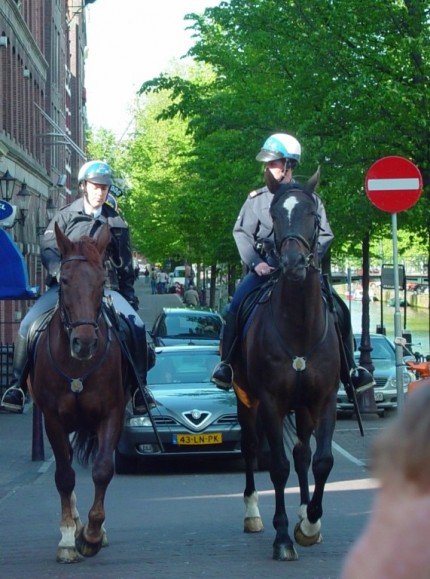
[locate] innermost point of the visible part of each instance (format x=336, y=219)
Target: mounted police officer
x=253, y=234
x=85, y=216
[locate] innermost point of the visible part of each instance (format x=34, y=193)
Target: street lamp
x=6, y=186
x=23, y=203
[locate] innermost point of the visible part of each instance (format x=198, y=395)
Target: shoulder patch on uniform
x=256, y=193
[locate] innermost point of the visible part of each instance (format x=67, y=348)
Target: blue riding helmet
x=97, y=172
x=280, y=146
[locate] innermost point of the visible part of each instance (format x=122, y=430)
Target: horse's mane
x=87, y=246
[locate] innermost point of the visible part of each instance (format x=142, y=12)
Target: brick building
x=42, y=125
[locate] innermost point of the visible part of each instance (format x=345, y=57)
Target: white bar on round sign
x=393, y=184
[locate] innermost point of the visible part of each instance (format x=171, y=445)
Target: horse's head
x=82, y=280
x=295, y=224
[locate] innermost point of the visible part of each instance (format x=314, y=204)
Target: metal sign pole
x=397, y=320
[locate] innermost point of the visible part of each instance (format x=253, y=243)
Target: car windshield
x=192, y=326
x=182, y=367
x=381, y=349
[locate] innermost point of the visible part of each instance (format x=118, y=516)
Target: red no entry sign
x=393, y=184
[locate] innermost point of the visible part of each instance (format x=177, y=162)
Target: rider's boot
x=13, y=399
x=140, y=395
x=222, y=374
x=361, y=379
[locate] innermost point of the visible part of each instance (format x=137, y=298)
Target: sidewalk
x=16, y=465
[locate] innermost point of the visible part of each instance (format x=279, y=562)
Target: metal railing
x=6, y=365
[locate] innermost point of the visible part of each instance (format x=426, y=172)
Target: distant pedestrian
x=226, y=308
x=163, y=278
x=189, y=275
x=191, y=296
x=154, y=279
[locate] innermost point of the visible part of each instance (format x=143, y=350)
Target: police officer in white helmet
x=253, y=234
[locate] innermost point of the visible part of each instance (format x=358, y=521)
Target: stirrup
x=363, y=387
x=13, y=407
x=222, y=383
x=139, y=405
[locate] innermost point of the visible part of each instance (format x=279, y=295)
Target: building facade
x=42, y=125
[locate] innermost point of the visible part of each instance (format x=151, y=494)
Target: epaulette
x=257, y=192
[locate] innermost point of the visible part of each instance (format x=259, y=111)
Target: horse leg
x=283, y=547
x=65, y=483
x=307, y=531
x=93, y=535
x=249, y=444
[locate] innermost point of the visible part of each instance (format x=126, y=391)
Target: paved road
x=151, y=305
x=173, y=520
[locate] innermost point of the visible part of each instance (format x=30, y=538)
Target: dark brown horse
x=289, y=363
x=77, y=382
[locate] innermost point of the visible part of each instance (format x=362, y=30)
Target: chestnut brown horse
x=289, y=362
x=77, y=382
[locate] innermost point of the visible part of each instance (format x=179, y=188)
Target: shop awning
x=13, y=272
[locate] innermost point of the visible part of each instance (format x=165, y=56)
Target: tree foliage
x=348, y=78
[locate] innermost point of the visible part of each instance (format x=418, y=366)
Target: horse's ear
x=63, y=242
x=271, y=183
x=103, y=238
x=312, y=184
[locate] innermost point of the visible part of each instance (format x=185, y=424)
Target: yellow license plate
x=195, y=439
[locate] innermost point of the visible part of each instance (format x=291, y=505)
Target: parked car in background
x=384, y=360
x=186, y=326
x=192, y=416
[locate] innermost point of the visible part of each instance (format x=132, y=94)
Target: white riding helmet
x=280, y=146
x=97, y=172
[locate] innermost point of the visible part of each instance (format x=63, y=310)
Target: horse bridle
x=77, y=384
x=311, y=245
x=64, y=316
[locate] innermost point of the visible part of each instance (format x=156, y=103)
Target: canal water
x=417, y=322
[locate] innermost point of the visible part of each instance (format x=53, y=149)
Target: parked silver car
x=192, y=416
x=384, y=360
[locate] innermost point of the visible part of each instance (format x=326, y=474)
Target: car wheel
x=124, y=464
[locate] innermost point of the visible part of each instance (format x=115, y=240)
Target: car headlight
x=139, y=421
x=392, y=381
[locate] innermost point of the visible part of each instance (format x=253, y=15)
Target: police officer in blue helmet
x=85, y=216
x=253, y=234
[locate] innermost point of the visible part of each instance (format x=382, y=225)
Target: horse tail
x=85, y=444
